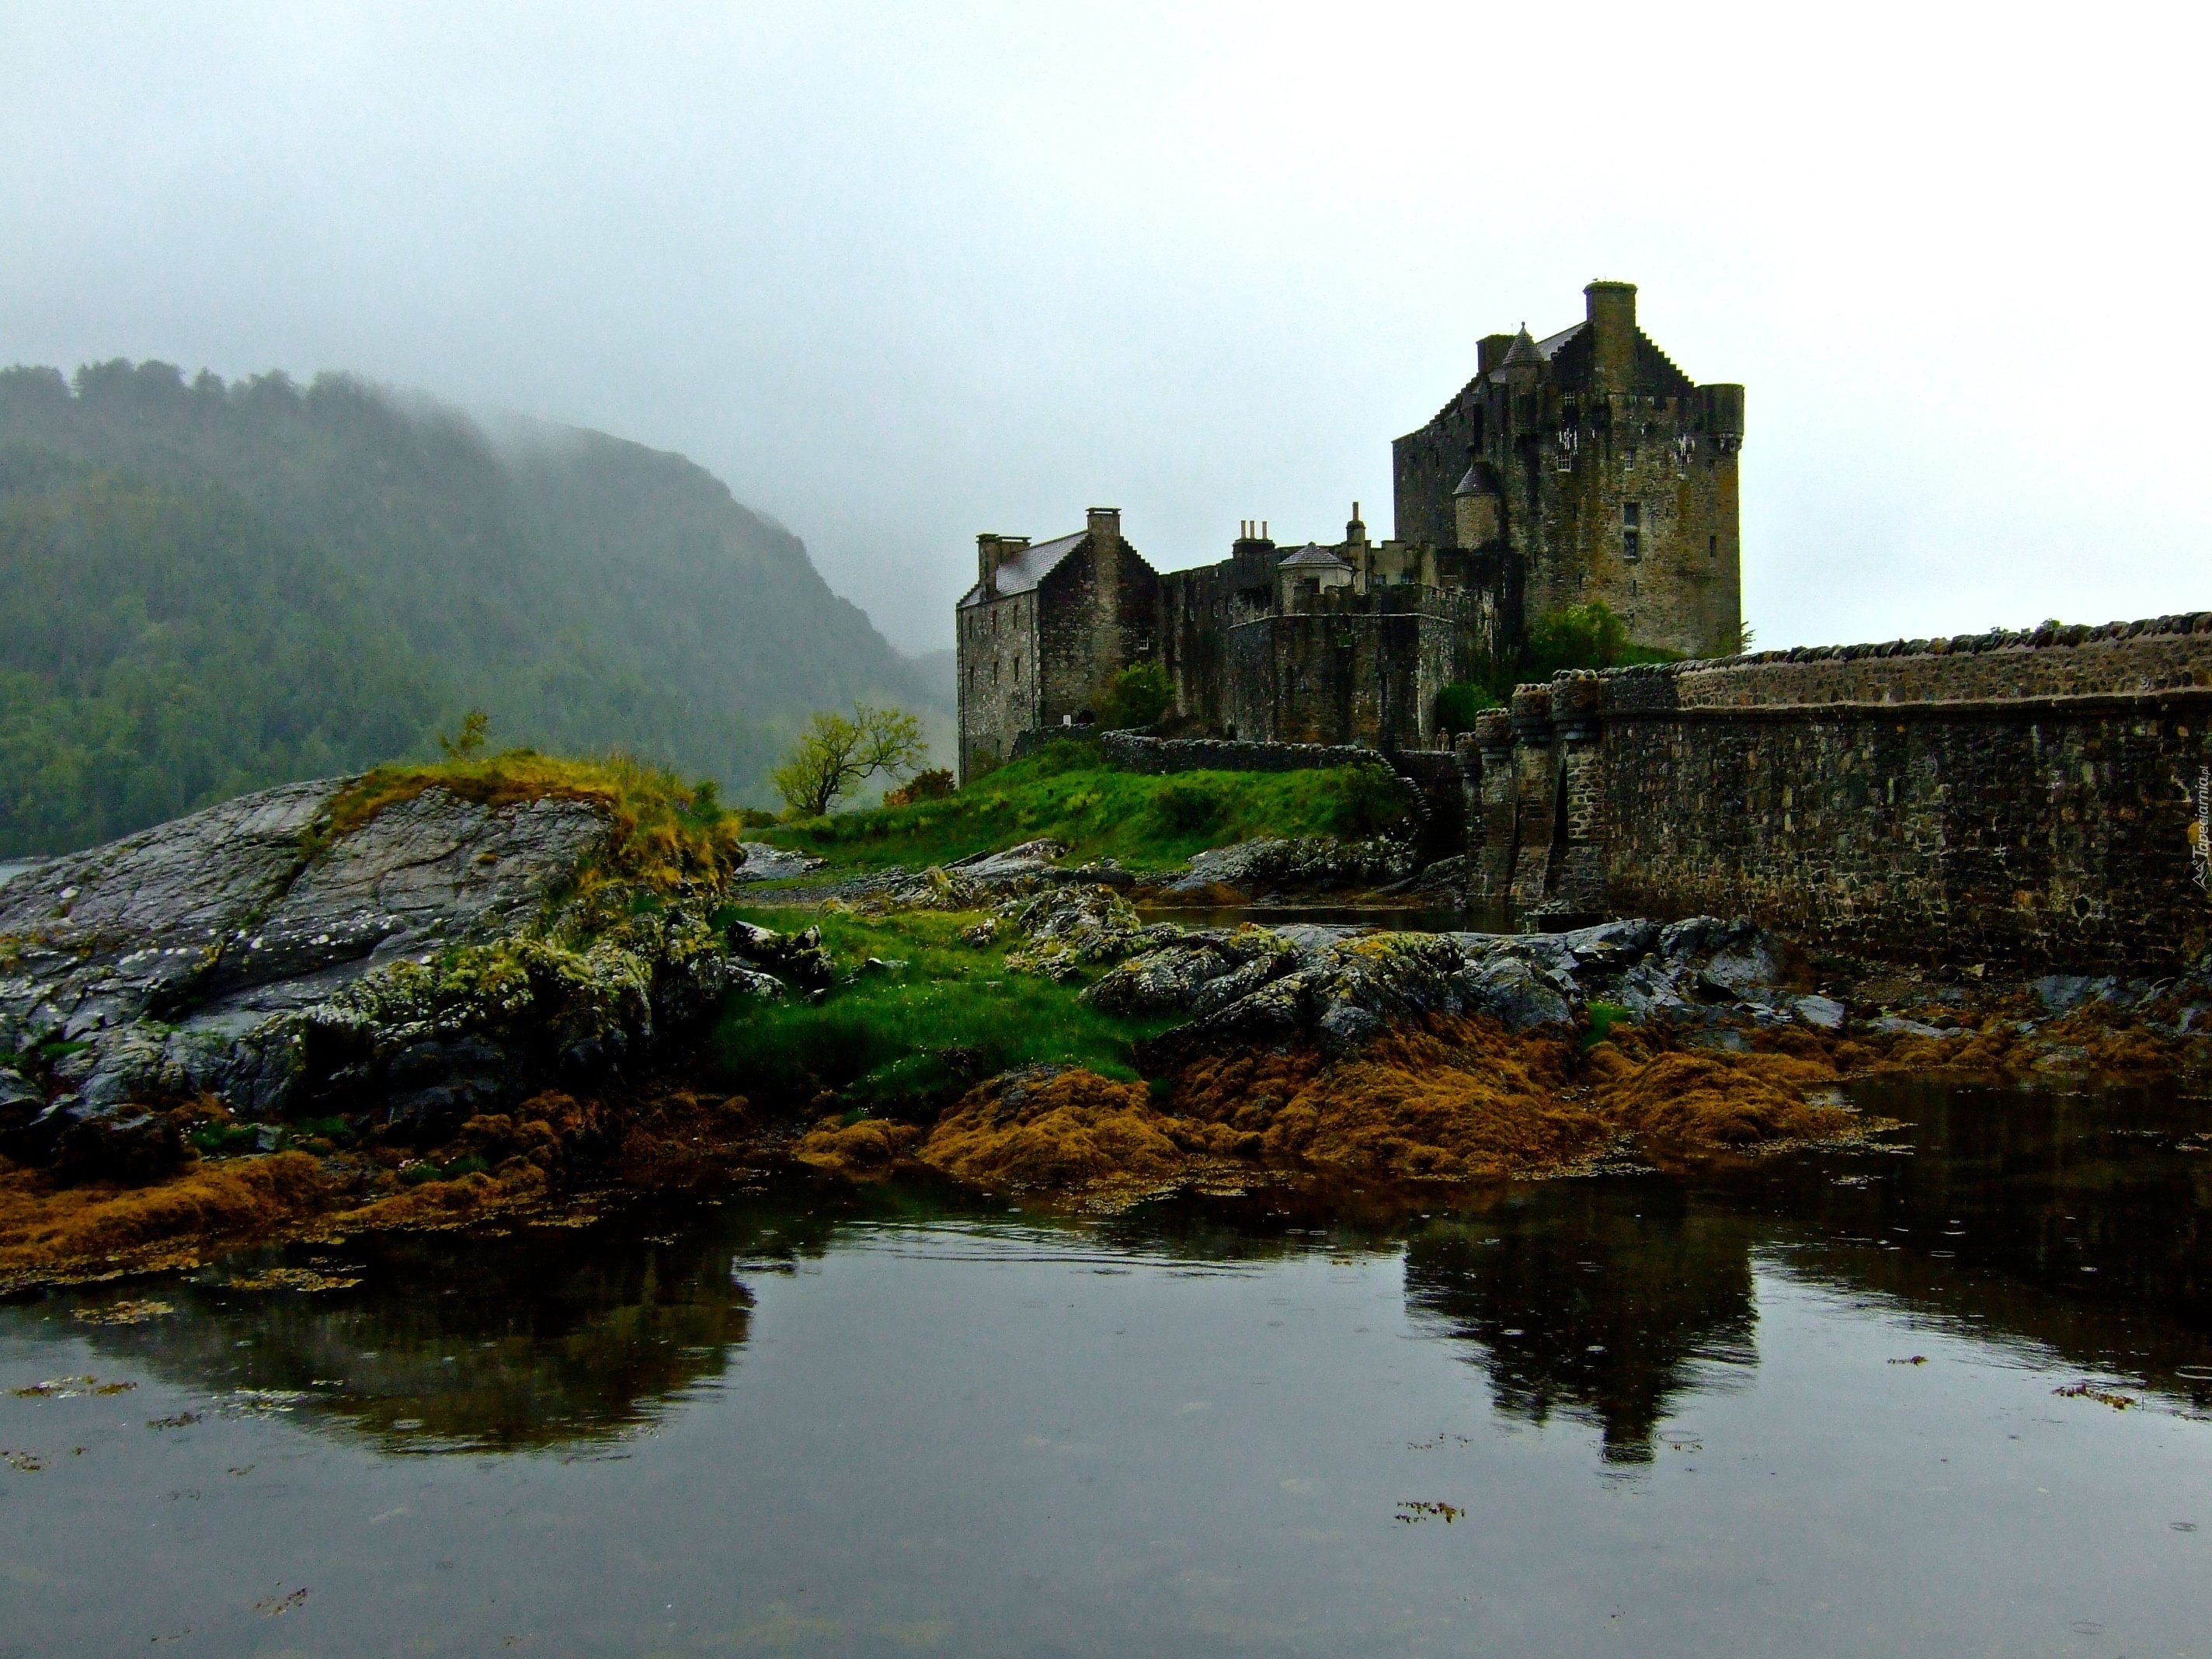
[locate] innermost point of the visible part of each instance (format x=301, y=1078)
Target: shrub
x=1369, y=799
x=1458, y=703
x=932, y=785
x=1186, y=805
x=1138, y=696
x=1584, y=636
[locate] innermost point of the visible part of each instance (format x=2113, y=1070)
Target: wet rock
x=20, y=1099
x=1745, y=963
x=1344, y=993
x=1897, y=1025
x=686, y=992
x=1825, y=1012
x=1252, y=869
x=800, y=958
x=1176, y=977
x=1510, y=991
x=1031, y=858
x=1070, y=928
x=767, y=863
x=2061, y=992
x=242, y=952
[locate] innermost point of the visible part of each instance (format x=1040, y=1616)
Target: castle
x=1584, y=467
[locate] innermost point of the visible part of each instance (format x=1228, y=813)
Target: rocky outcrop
x=419, y=965
x=978, y=881
x=764, y=862
x=1341, y=987
x=1253, y=869
x=1070, y=928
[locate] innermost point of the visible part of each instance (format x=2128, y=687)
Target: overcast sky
x=900, y=274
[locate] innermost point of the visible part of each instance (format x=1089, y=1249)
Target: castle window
x=1631, y=514
x=1713, y=547
x=1631, y=545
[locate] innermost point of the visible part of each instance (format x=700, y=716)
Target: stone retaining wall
x=2015, y=798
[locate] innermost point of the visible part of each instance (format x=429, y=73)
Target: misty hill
x=210, y=588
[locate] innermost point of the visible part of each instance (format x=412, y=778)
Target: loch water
x=1953, y=1396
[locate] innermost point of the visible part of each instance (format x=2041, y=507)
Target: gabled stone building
x=1046, y=626
x=1584, y=467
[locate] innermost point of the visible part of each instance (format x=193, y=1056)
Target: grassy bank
x=1070, y=792
x=906, y=1037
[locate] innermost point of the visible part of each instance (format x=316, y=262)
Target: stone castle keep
x=1584, y=467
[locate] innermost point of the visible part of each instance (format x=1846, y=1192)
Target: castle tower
x=1615, y=477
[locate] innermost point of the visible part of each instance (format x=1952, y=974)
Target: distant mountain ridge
x=216, y=588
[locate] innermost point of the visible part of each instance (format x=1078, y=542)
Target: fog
x=902, y=274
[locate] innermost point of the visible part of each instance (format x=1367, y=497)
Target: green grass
x=904, y=1041
x=1603, y=1017
x=1068, y=791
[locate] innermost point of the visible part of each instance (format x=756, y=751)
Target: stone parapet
x=2156, y=654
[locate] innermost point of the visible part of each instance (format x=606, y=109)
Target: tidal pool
x=1954, y=1397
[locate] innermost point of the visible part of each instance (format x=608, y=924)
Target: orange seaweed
x=1449, y=1099
x=50, y=1230
x=1053, y=1129
x=1702, y=1100
x=868, y=1149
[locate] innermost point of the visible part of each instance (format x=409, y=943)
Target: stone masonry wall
x=1085, y=634
x=2015, y=798
x=999, y=680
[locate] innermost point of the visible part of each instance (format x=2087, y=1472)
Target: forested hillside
x=212, y=587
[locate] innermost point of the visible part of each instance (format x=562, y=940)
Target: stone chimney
x=1105, y=527
x=1612, y=313
x=1490, y=352
x=991, y=552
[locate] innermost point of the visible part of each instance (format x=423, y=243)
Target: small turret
x=1476, y=516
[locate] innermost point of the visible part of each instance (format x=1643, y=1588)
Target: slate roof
x=1550, y=344
x=1023, y=571
x=1522, y=351
x=1313, y=556
x=1477, y=482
